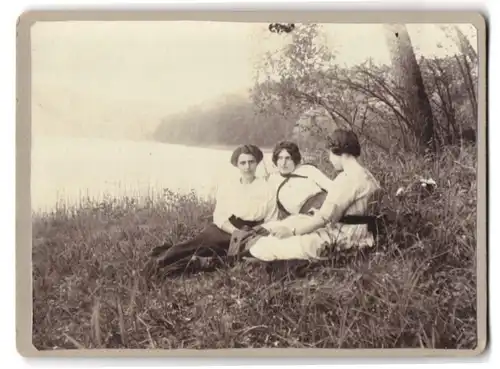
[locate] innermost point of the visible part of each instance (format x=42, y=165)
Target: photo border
x=24, y=301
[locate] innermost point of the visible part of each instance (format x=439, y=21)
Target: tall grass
x=416, y=289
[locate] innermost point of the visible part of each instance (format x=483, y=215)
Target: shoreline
x=219, y=147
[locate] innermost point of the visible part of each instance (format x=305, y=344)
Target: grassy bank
x=418, y=289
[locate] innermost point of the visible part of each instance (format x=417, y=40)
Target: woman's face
x=285, y=163
x=247, y=165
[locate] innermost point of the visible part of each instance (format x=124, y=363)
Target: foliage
x=233, y=122
x=301, y=92
x=365, y=97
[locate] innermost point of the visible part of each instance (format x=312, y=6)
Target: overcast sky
x=119, y=78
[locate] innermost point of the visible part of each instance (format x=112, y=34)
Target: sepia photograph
x=206, y=185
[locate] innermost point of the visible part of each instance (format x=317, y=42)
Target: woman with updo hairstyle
x=241, y=203
x=340, y=223
x=293, y=152
x=299, y=187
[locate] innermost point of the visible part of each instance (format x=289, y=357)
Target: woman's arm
x=341, y=194
x=315, y=174
x=272, y=206
x=228, y=227
x=221, y=213
x=317, y=221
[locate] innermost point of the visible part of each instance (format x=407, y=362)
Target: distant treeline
x=232, y=122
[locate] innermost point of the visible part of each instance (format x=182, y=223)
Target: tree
x=386, y=105
x=467, y=59
x=409, y=79
x=231, y=122
x=302, y=76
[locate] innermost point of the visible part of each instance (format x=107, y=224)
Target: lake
x=64, y=169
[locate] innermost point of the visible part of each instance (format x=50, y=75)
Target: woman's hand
x=228, y=227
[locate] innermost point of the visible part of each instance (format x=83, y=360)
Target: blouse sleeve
x=272, y=206
x=221, y=212
x=341, y=194
x=317, y=176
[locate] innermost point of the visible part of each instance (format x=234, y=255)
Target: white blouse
x=350, y=194
x=296, y=191
x=254, y=201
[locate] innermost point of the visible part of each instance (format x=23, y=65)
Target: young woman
x=299, y=187
x=340, y=222
x=242, y=203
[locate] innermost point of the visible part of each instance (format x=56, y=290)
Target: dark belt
x=240, y=223
x=369, y=220
x=317, y=201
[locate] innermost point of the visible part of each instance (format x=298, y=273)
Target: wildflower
x=427, y=182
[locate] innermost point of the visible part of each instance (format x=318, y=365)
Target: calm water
x=65, y=169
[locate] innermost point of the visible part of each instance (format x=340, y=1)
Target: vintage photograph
x=225, y=185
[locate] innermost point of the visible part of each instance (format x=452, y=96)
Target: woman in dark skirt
x=241, y=203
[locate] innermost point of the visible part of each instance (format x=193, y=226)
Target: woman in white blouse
x=299, y=187
x=339, y=223
x=243, y=203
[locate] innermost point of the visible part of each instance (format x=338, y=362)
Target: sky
x=118, y=79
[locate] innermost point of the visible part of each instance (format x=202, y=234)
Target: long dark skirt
x=210, y=242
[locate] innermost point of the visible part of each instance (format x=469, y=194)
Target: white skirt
x=310, y=246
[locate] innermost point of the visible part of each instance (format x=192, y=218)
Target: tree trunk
x=462, y=42
x=409, y=79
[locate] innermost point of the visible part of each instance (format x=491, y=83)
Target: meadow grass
x=416, y=289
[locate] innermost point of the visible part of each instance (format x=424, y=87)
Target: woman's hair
x=291, y=148
x=246, y=149
x=343, y=141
